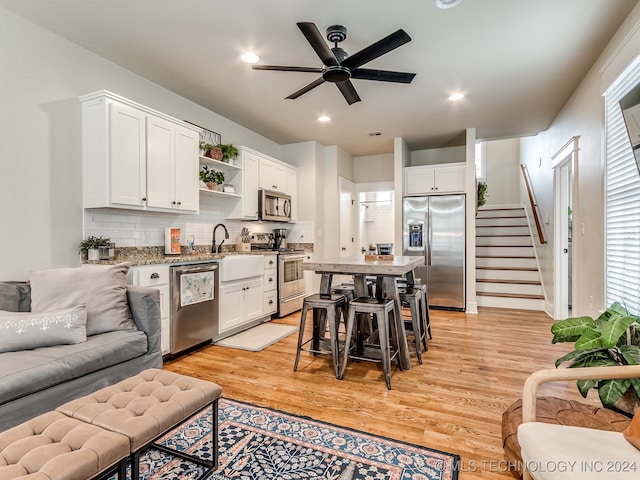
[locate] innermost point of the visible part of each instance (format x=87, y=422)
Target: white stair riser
x=522, y=230
x=496, y=274
x=505, y=251
x=506, y=213
x=490, y=241
x=499, y=222
x=506, y=262
x=516, y=288
x=507, y=302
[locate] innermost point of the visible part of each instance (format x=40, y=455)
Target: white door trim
x=565, y=158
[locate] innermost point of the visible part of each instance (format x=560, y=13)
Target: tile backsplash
x=131, y=228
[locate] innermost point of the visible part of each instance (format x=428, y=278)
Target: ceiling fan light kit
x=339, y=67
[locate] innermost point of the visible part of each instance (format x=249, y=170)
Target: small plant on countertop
x=92, y=242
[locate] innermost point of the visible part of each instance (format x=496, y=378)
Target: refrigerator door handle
x=429, y=235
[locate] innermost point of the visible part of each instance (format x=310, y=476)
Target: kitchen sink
x=236, y=267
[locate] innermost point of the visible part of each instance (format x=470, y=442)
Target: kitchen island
x=359, y=268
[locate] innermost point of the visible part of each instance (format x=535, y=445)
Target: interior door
x=347, y=218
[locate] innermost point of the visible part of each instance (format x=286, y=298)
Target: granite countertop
x=155, y=255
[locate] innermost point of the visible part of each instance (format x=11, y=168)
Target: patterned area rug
x=261, y=444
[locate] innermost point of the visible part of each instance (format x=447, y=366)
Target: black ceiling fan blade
x=377, y=49
x=317, y=42
x=382, y=75
x=348, y=92
x=306, y=88
x=282, y=68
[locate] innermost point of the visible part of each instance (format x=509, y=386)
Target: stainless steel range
x=291, y=285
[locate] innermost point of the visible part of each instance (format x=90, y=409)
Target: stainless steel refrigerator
x=434, y=226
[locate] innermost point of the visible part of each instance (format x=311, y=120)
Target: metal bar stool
x=424, y=305
x=414, y=297
x=326, y=310
x=381, y=308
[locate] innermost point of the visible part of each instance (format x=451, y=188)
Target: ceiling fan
x=339, y=67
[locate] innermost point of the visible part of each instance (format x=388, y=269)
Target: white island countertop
x=356, y=264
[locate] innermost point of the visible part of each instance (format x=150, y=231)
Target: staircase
x=506, y=270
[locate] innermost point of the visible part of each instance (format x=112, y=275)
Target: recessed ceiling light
x=250, y=57
x=447, y=3
x=323, y=118
x=456, y=96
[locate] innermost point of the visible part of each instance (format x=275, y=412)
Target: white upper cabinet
x=135, y=157
x=128, y=157
x=431, y=180
x=272, y=176
x=247, y=207
x=260, y=171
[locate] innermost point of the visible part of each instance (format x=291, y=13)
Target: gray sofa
x=34, y=381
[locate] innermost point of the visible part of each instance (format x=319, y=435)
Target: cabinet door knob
x=173, y=203
x=144, y=199
x=179, y=203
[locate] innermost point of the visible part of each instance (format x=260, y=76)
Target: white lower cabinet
x=241, y=301
x=156, y=276
x=270, y=284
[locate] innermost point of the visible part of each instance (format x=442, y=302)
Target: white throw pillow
x=28, y=330
x=102, y=288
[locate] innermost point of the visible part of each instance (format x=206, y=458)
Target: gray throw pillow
x=15, y=296
x=28, y=330
x=102, y=288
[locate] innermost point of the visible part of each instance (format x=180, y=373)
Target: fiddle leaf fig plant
x=611, y=339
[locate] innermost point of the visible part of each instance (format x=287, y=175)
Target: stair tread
x=504, y=235
x=510, y=282
x=522, y=269
x=511, y=295
x=492, y=209
x=501, y=226
x=505, y=256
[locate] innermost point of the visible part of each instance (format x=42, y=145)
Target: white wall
x=582, y=116
x=373, y=168
x=40, y=169
x=434, y=156
x=502, y=164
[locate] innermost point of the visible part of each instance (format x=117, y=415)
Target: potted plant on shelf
x=211, y=151
x=611, y=339
x=229, y=152
x=219, y=179
x=90, y=247
x=211, y=178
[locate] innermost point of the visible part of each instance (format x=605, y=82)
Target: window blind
x=622, y=275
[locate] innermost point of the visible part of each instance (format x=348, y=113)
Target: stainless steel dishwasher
x=194, y=305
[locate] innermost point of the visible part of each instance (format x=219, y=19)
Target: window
x=480, y=161
x=622, y=275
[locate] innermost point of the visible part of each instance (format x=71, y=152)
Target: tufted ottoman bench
x=53, y=446
x=146, y=406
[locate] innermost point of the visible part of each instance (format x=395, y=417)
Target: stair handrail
x=534, y=203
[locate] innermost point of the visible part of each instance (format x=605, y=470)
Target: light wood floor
x=474, y=369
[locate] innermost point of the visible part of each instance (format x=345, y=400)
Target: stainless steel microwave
x=274, y=206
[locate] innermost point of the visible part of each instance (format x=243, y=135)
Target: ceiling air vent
x=374, y=134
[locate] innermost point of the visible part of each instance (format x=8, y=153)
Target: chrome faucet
x=218, y=249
